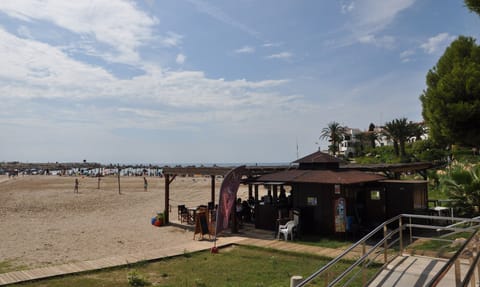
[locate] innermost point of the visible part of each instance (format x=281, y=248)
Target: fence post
x=364, y=271
x=295, y=280
x=400, y=231
x=472, y=279
x=411, y=237
x=477, y=249
x=385, y=243
x=458, y=277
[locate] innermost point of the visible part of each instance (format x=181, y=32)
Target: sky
x=197, y=81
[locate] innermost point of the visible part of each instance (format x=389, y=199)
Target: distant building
x=348, y=145
x=350, y=142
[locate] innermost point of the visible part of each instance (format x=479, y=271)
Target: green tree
x=463, y=186
x=473, y=5
x=451, y=102
x=399, y=130
x=334, y=133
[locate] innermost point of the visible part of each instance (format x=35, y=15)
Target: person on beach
x=75, y=189
x=145, y=184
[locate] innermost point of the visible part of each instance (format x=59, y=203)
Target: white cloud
x=218, y=14
x=437, y=43
x=180, y=59
x=33, y=70
x=282, y=55
x=245, y=50
x=374, y=15
x=405, y=56
x=367, y=18
x=384, y=41
x=116, y=23
x=172, y=40
x=347, y=7
x=270, y=44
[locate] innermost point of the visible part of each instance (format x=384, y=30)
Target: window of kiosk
x=375, y=195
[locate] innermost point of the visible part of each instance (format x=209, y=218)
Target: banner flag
x=228, y=195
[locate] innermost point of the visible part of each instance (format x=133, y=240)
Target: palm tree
x=334, y=133
x=399, y=130
x=463, y=186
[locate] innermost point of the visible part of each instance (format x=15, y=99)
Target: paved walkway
x=415, y=271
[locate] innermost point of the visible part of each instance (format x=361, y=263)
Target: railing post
x=411, y=237
x=477, y=249
x=364, y=271
x=295, y=280
x=458, y=277
x=472, y=279
x=400, y=231
x=385, y=243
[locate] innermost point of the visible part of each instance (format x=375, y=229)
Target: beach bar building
x=327, y=195
x=331, y=199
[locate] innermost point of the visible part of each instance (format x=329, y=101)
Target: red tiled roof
x=321, y=176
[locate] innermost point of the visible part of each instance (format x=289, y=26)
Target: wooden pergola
x=170, y=173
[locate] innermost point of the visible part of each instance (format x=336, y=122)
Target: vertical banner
x=228, y=194
x=340, y=215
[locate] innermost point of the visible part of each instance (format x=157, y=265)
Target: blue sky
x=196, y=81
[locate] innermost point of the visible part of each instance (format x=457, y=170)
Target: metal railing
x=366, y=258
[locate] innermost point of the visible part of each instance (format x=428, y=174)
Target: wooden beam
x=212, y=196
x=167, y=197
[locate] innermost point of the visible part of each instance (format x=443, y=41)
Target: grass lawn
x=233, y=266
x=439, y=247
x=322, y=241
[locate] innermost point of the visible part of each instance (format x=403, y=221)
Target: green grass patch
x=235, y=266
x=440, y=247
x=323, y=242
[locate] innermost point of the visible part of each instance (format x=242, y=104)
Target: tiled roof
x=321, y=176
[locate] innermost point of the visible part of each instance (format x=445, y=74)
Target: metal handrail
x=444, y=270
x=388, y=245
x=340, y=257
x=470, y=273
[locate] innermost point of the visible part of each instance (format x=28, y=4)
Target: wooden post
x=364, y=268
x=256, y=193
x=250, y=191
x=213, y=189
x=119, y=191
x=167, y=197
x=385, y=244
x=458, y=278
x=400, y=229
x=275, y=194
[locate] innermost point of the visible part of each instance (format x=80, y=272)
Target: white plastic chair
x=286, y=229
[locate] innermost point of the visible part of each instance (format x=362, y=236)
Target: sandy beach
x=42, y=221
